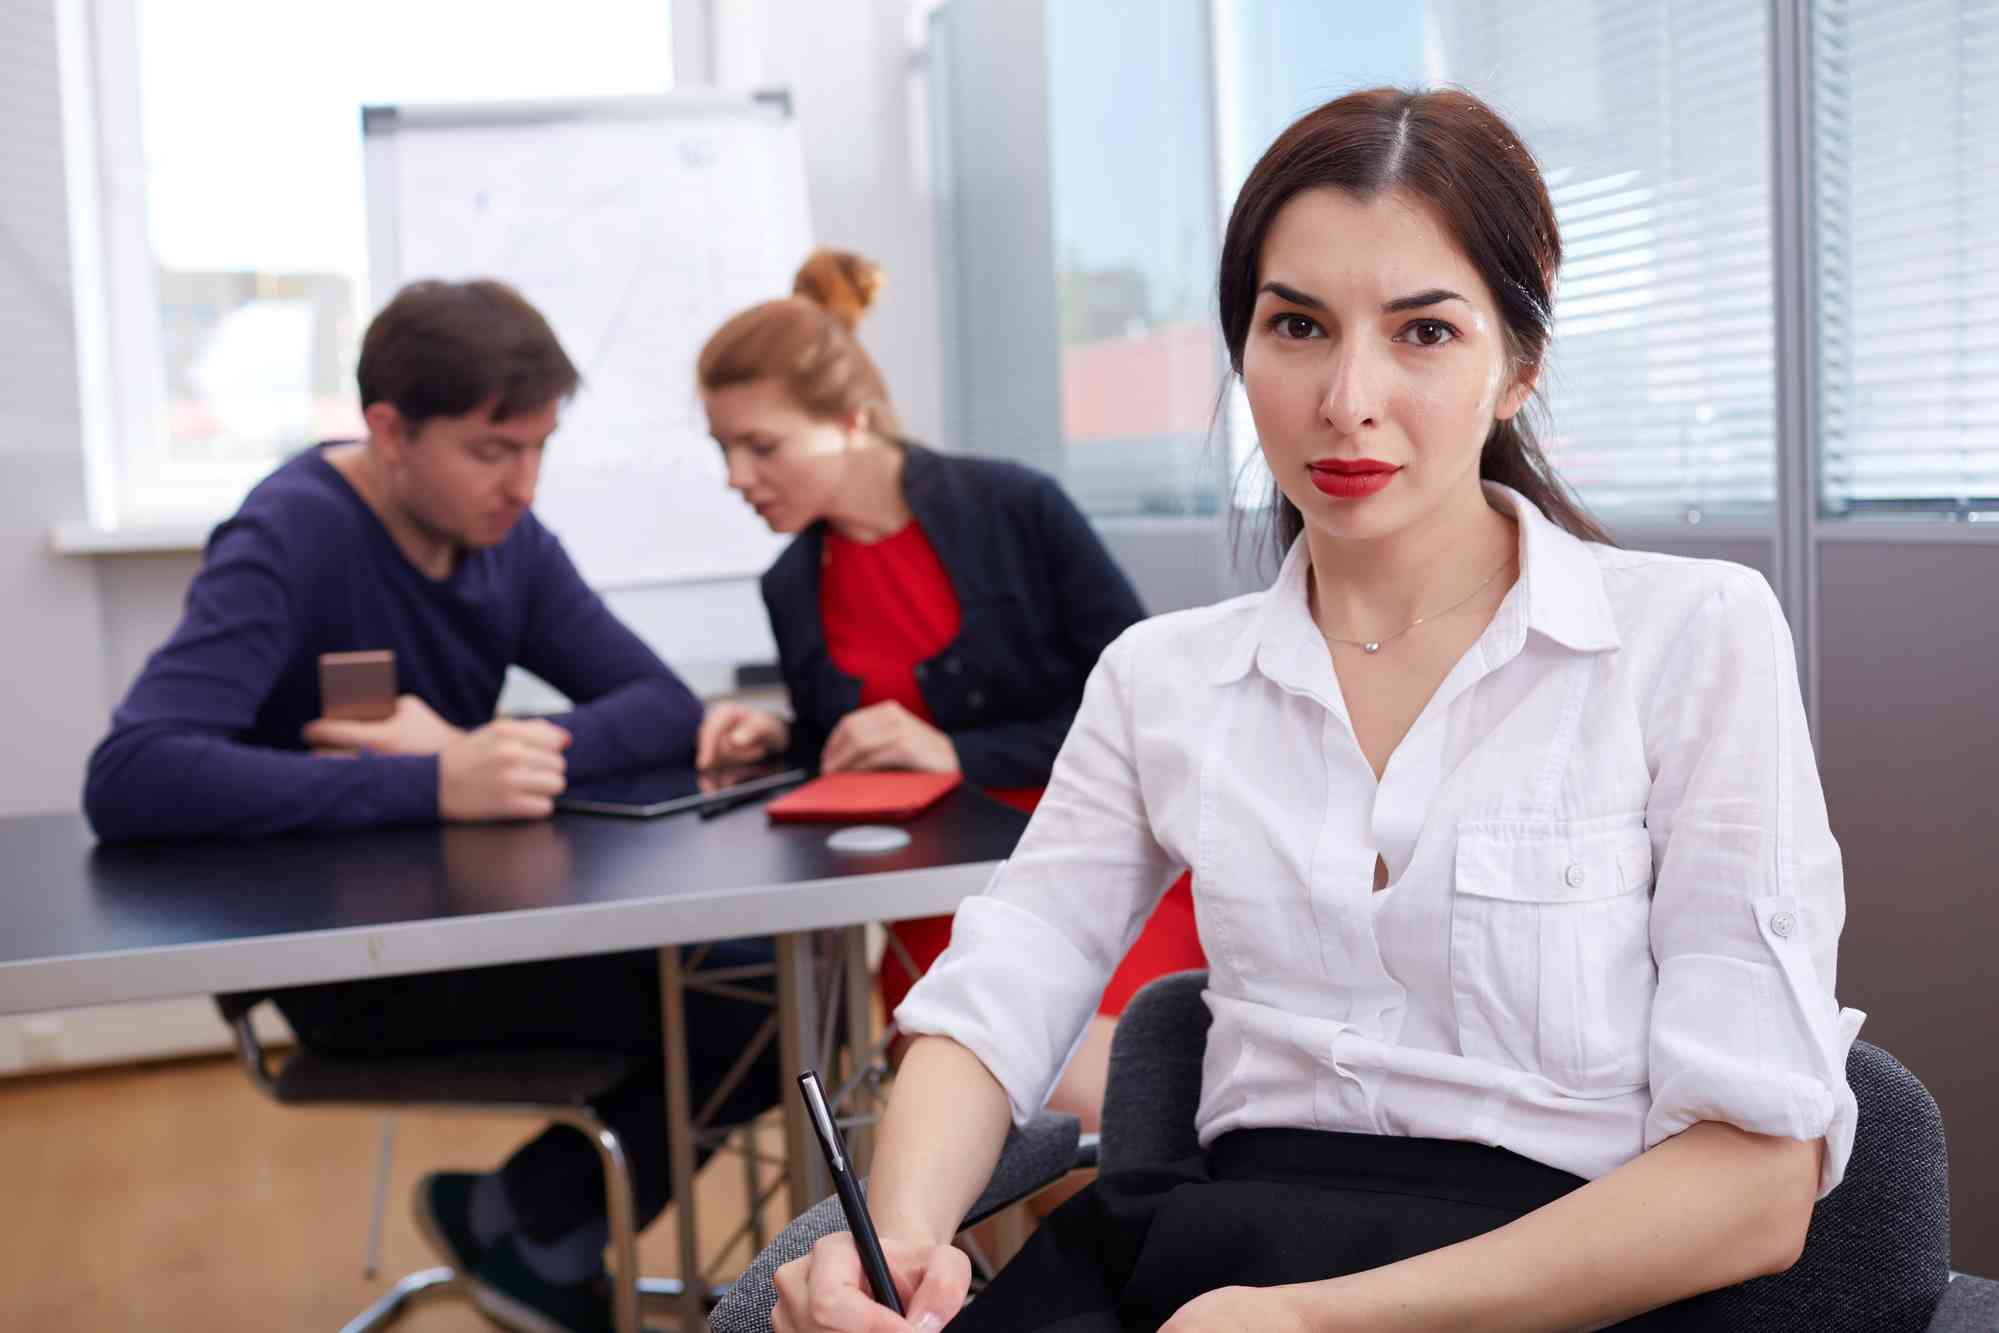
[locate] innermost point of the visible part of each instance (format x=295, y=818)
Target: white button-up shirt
x=1613, y=902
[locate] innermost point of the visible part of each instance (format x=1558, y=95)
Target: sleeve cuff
x=1762, y=1074
x=407, y=787
x=646, y=724
x=1024, y=1035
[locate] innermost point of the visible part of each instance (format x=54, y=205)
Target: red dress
x=888, y=605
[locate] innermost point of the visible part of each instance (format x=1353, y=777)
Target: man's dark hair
x=441, y=349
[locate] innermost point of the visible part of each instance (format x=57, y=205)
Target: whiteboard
x=636, y=225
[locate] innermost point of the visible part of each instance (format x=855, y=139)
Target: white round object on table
x=868, y=838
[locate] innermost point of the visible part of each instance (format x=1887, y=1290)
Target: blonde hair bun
x=841, y=281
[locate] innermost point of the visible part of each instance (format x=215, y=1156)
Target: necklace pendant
x=1370, y=647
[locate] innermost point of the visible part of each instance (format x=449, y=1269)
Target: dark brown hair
x=806, y=342
x=441, y=349
x=1455, y=154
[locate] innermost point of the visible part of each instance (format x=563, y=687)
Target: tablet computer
x=665, y=791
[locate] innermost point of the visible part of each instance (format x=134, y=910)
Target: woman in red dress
x=935, y=612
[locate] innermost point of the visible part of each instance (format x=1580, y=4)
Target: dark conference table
x=88, y=923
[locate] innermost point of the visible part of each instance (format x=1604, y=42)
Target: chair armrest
x=753, y=1296
x=1969, y=1305
x=1033, y=1157
x=1039, y=1155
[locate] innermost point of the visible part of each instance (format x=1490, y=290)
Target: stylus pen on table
x=724, y=804
x=852, y=1202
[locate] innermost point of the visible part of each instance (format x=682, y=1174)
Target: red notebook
x=845, y=798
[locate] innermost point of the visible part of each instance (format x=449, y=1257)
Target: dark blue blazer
x=1040, y=598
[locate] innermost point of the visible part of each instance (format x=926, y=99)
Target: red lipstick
x=1351, y=478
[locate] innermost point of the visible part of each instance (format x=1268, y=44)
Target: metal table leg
x=383, y=1156
x=680, y=1133
x=860, y=1038
x=798, y=1041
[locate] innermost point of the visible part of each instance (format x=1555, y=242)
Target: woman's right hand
x=826, y=1291
x=738, y=734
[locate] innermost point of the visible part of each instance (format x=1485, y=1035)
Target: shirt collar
x=1276, y=626
x=1562, y=579
x=1560, y=595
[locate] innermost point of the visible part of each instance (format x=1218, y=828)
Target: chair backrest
x=1154, y=1085
x=1876, y=1259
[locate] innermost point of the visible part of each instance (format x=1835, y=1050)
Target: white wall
x=848, y=66
x=55, y=674
x=67, y=644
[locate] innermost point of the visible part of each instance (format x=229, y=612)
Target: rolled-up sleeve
x=1030, y=957
x=1749, y=901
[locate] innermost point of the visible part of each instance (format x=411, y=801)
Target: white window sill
x=158, y=538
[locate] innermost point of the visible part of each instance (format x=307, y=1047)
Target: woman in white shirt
x=1510, y=855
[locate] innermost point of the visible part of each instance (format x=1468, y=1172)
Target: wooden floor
x=174, y=1197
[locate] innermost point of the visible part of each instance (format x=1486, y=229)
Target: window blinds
x=1651, y=124
x=1906, y=139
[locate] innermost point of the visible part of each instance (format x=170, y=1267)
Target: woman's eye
x=1429, y=333
x=1294, y=326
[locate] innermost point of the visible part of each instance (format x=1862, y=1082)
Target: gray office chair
x=551, y=1085
x=1876, y=1259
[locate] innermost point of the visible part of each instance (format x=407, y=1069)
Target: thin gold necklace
x=1372, y=646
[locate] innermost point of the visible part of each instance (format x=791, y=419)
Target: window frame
x=136, y=492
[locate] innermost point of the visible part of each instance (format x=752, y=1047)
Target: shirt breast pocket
x=1551, y=960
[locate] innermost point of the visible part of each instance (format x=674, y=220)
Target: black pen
x=852, y=1201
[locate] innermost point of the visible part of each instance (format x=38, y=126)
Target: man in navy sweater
x=419, y=539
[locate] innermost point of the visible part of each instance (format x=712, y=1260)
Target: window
x=1135, y=242
x=1907, y=183
x=235, y=218
x=1651, y=125
x=1652, y=121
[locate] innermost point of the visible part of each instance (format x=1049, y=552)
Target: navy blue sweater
x=208, y=740
x=1039, y=600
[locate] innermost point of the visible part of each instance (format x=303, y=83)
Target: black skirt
x=1264, y=1207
